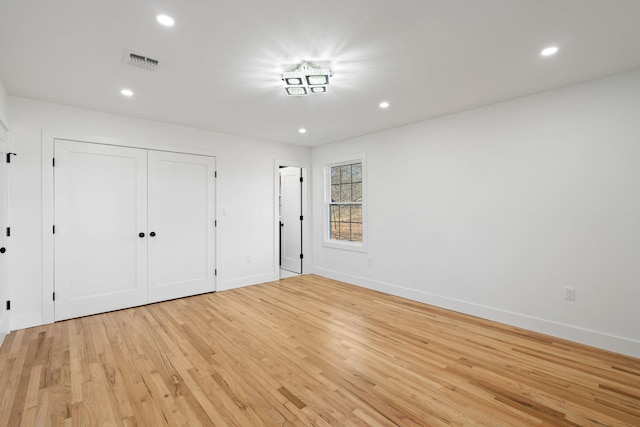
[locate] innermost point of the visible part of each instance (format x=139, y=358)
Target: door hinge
x=53, y=162
x=215, y=223
x=54, y=229
x=301, y=217
x=215, y=174
x=215, y=272
x=54, y=296
x=301, y=179
x=8, y=305
x=301, y=256
x=9, y=156
x=8, y=231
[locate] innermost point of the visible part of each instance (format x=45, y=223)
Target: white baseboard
x=27, y=320
x=226, y=285
x=592, y=338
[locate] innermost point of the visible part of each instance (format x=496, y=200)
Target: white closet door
x=291, y=237
x=100, y=209
x=181, y=225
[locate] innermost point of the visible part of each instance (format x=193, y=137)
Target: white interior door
x=291, y=226
x=4, y=317
x=100, y=210
x=181, y=225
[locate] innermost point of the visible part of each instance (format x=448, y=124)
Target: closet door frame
x=48, y=252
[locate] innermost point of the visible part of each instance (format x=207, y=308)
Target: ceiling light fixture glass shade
x=306, y=78
x=294, y=81
x=318, y=80
x=296, y=91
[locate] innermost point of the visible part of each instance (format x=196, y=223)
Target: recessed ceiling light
x=165, y=20
x=548, y=51
x=384, y=104
x=302, y=130
x=127, y=92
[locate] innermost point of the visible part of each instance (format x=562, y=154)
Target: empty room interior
x=289, y=213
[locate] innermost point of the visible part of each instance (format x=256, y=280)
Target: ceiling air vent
x=141, y=61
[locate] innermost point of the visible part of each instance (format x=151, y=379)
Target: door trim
x=306, y=223
x=48, y=252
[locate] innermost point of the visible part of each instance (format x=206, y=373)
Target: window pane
x=345, y=174
x=345, y=231
x=335, y=175
x=356, y=232
x=356, y=172
x=345, y=193
x=357, y=192
x=335, y=231
x=356, y=213
x=335, y=213
x=335, y=193
x=345, y=213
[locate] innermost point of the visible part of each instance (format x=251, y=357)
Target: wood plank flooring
x=306, y=351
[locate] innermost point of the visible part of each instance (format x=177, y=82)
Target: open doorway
x=290, y=185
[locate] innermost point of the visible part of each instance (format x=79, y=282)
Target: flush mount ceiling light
x=127, y=92
x=384, y=105
x=306, y=78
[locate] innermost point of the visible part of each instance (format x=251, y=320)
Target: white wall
x=493, y=211
x=245, y=193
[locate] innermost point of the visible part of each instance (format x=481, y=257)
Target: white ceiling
x=220, y=64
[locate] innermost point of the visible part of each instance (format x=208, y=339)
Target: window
x=345, y=210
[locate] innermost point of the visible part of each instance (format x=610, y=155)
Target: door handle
x=3, y=250
x=152, y=234
x=141, y=235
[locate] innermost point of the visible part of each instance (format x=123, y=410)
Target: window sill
x=347, y=246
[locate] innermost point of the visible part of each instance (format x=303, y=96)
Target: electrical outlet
x=570, y=293
x=370, y=261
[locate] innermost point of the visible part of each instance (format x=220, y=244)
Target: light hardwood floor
x=306, y=351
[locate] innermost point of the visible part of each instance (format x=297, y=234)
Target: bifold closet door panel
x=181, y=225
x=100, y=210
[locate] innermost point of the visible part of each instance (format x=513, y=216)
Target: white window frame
x=343, y=244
